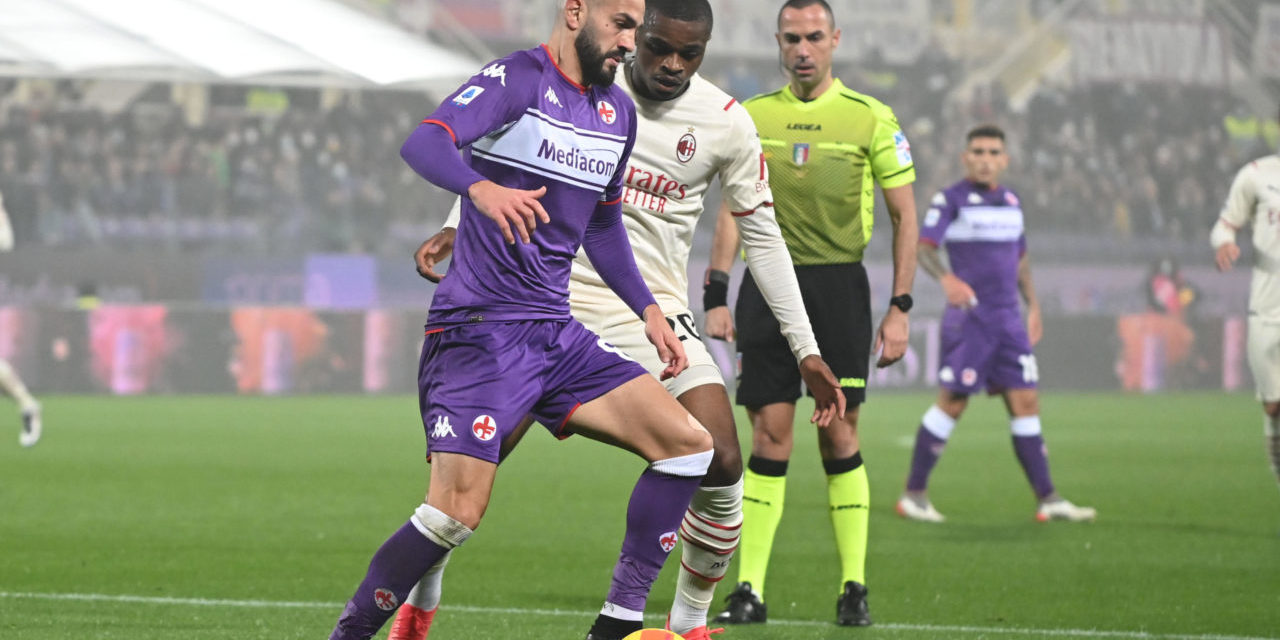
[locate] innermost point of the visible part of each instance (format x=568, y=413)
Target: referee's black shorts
x=838, y=300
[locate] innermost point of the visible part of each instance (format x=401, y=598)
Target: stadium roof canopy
x=313, y=43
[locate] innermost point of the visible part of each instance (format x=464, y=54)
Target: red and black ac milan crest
x=686, y=147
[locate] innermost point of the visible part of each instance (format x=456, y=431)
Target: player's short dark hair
x=985, y=131
x=800, y=4
x=682, y=10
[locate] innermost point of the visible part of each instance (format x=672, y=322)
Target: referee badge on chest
x=800, y=153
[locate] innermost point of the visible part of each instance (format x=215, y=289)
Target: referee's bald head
x=800, y=4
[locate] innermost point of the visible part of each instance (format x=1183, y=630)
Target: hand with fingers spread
x=518, y=208
x=660, y=333
x=828, y=397
x=435, y=250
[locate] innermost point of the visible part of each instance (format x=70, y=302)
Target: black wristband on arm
x=715, y=290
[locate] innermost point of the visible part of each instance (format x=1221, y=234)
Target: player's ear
x=835, y=38
x=575, y=11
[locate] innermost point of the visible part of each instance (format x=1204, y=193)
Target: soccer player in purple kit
x=984, y=341
x=545, y=139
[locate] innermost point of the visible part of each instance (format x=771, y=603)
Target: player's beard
x=592, y=59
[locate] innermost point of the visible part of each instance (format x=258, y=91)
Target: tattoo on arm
x=931, y=261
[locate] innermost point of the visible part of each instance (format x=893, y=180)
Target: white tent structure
x=311, y=43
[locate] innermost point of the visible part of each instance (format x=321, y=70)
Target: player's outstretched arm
x=724, y=248
x=1035, y=326
x=891, y=337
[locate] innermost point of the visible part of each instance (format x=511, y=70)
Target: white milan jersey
x=681, y=146
x=1255, y=198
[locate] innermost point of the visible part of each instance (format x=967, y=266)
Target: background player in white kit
x=1255, y=198
x=9, y=380
x=689, y=132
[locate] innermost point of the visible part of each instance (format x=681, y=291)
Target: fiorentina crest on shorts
x=484, y=428
x=385, y=599
x=667, y=541
x=800, y=153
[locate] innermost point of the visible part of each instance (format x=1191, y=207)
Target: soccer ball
x=654, y=634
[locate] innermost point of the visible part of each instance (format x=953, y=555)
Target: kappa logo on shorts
x=947, y=375
x=667, y=541
x=968, y=377
x=484, y=428
x=442, y=428
x=385, y=599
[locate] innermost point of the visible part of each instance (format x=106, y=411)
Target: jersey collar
x=835, y=88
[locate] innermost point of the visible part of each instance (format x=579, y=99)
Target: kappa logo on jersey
x=442, y=428
x=686, y=147
x=385, y=599
x=484, y=428
x=904, y=148
x=496, y=70
x=607, y=113
x=667, y=541
x=553, y=98
x=470, y=93
x=1010, y=198
x=800, y=153
x=975, y=199
x=939, y=199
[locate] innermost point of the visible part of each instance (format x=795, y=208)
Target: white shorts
x=1264, y=358
x=628, y=336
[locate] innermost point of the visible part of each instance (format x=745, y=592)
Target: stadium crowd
x=315, y=179
x=1128, y=161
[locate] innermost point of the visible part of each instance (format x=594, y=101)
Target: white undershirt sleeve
x=770, y=265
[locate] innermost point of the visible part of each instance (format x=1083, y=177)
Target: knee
x=726, y=465
x=441, y=528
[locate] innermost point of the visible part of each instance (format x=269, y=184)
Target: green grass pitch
x=162, y=518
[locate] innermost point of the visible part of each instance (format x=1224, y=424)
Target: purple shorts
x=476, y=382
x=986, y=348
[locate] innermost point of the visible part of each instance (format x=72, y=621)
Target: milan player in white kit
x=1255, y=198
x=9, y=380
x=689, y=132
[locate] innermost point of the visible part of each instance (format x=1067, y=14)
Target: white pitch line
x=896, y=626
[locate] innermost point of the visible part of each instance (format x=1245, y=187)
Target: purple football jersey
x=984, y=236
x=523, y=124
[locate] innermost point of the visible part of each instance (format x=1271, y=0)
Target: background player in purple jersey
x=546, y=138
x=984, y=341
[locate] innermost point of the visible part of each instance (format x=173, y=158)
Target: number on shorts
x=1030, y=370
x=686, y=322
x=612, y=349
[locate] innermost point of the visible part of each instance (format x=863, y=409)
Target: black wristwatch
x=903, y=302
